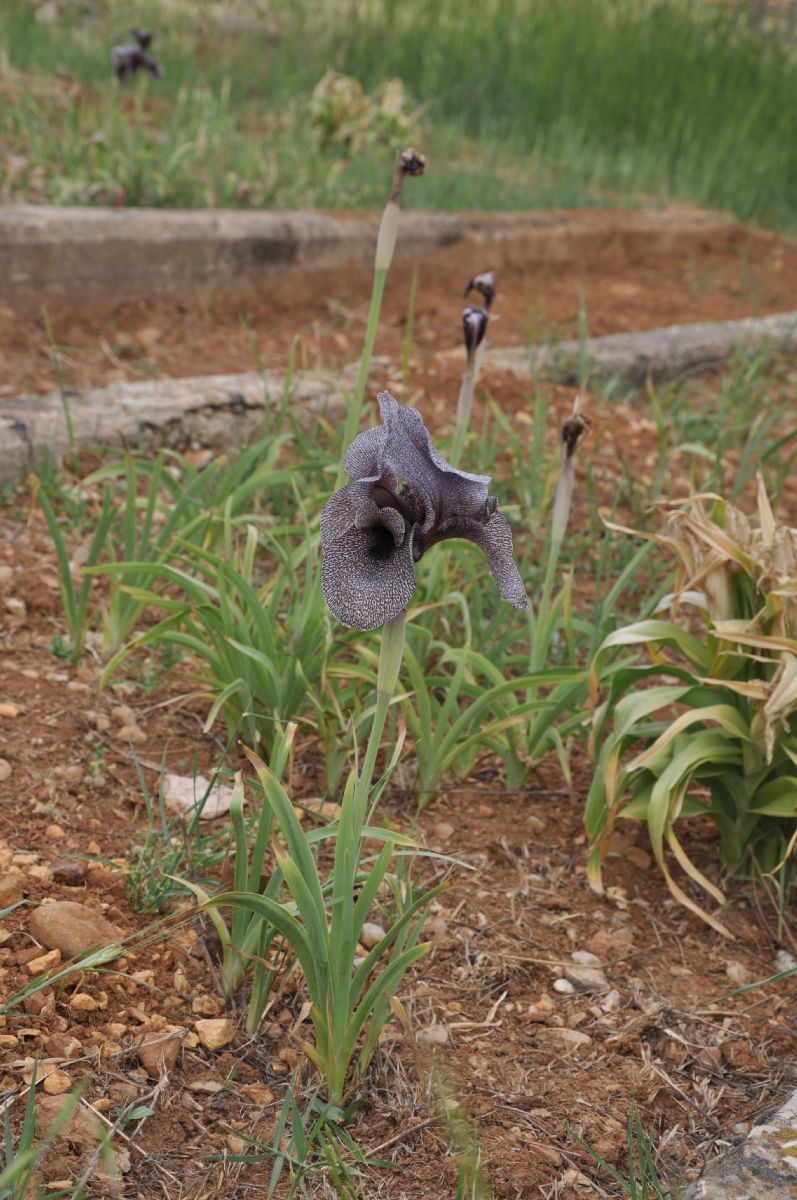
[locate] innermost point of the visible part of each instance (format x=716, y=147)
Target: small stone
x=436, y=927
x=123, y=714
x=71, y=928
x=182, y=793
x=207, y=1006
x=5, y=770
x=235, y=1144
x=63, y=1045
x=586, y=975
x=609, y=944
x=548, y=1154
x=12, y=889
x=432, y=1035
x=541, y=1011
x=83, y=1002
x=738, y=973
x=573, y=1038
x=16, y=607
x=9, y=711
x=638, y=857
x=371, y=935
x=69, y=871
x=24, y=859
x=132, y=733
x=45, y=962
x=784, y=961
x=41, y=872
x=611, y=1001
x=564, y=987
x=258, y=1093
x=213, y=1034
x=57, y=1083
x=443, y=831
x=54, y=833
x=158, y=1055
x=8, y=1041
x=83, y=1132
x=575, y=1178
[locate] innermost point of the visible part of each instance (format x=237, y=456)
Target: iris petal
x=366, y=579
x=494, y=537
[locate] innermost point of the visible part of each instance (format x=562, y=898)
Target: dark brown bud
x=474, y=327
x=484, y=284
x=412, y=162
x=572, y=429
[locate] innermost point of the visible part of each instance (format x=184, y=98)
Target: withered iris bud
x=127, y=60
x=572, y=429
x=404, y=497
x=412, y=161
x=484, y=284
x=474, y=327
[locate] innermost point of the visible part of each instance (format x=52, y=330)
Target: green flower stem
x=561, y=514
x=391, y=651
x=465, y=405
x=355, y=407
x=385, y=248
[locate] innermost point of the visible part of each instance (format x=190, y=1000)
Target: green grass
x=522, y=105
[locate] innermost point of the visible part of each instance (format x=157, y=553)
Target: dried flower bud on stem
x=484, y=284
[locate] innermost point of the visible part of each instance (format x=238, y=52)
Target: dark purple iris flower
x=474, y=327
x=403, y=499
x=127, y=60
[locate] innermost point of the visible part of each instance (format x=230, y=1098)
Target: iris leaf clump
x=709, y=724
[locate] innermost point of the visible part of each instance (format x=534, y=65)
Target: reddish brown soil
x=700, y=1063
x=623, y=285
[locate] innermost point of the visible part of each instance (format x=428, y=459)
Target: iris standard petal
x=366, y=578
x=363, y=457
x=409, y=453
x=494, y=537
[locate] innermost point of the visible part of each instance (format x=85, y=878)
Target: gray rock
x=71, y=928
x=216, y=410
x=95, y=259
x=763, y=1167
x=585, y=973
x=656, y=353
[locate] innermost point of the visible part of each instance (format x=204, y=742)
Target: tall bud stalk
x=409, y=162
x=572, y=430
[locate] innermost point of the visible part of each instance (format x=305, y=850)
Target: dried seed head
x=573, y=427
x=484, y=284
x=412, y=162
x=474, y=327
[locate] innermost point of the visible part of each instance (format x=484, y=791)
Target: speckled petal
x=409, y=452
x=363, y=457
x=495, y=538
x=366, y=579
x=352, y=506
